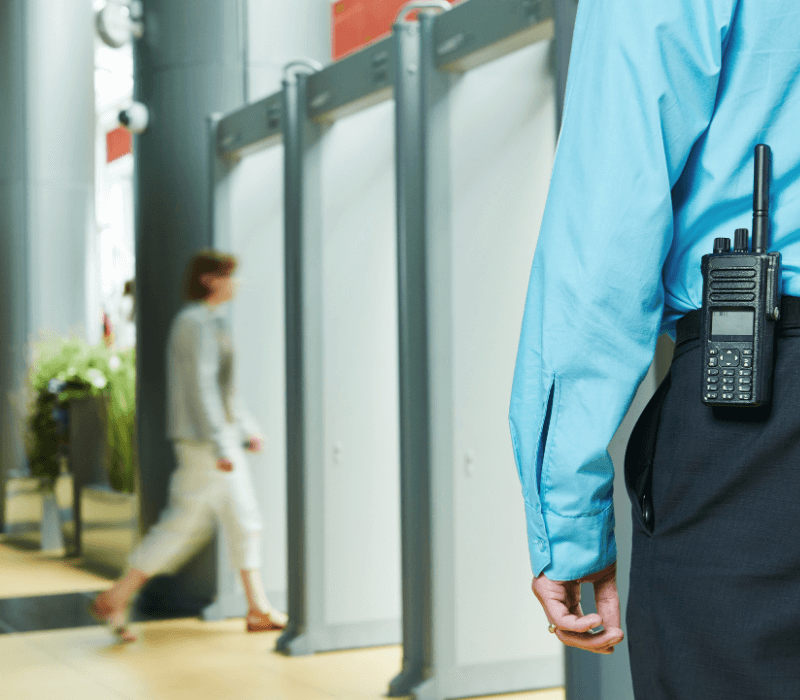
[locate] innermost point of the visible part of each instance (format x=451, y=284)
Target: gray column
x=189, y=65
x=47, y=123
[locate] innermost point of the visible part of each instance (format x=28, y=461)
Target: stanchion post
x=301, y=347
x=415, y=442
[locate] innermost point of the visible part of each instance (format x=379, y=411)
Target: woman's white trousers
x=199, y=494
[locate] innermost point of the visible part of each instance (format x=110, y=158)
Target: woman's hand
x=224, y=465
x=255, y=443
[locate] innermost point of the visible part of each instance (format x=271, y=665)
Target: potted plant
x=109, y=507
x=82, y=402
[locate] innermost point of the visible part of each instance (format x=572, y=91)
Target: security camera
x=120, y=21
x=134, y=118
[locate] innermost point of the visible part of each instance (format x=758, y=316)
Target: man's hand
x=561, y=601
x=224, y=465
x=255, y=443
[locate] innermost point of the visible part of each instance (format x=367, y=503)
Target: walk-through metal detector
x=476, y=125
x=342, y=439
x=246, y=211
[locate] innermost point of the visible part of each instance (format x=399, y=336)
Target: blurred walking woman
x=210, y=430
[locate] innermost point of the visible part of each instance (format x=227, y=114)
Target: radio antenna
x=761, y=199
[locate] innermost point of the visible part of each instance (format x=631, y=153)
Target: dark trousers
x=714, y=604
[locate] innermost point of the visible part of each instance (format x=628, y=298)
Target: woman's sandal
x=104, y=614
x=266, y=622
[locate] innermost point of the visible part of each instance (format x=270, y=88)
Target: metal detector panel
x=249, y=223
x=493, y=138
x=347, y=583
x=356, y=600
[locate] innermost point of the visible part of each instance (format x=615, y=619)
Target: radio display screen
x=732, y=323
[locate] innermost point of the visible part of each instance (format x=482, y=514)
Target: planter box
x=88, y=443
x=109, y=528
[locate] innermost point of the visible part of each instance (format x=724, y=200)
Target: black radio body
x=741, y=305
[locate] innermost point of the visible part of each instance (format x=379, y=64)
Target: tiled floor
x=173, y=659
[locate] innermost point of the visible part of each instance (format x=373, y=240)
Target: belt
x=688, y=327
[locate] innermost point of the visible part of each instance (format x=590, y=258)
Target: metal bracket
x=442, y=5
x=273, y=117
x=291, y=69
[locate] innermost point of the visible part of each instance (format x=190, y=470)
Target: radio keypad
x=729, y=358
x=734, y=366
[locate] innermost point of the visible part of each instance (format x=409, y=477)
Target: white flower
x=97, y=378
x=114, y=362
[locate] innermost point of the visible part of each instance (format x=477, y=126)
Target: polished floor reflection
x=172, y=659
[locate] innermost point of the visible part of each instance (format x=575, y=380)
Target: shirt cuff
x=569, y=548
x=225, y=443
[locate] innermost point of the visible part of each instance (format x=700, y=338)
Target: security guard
x=665, y=103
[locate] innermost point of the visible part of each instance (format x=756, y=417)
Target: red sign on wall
x=119, y=142
x=356, y=23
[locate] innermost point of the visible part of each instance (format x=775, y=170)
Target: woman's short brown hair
x=207, y=261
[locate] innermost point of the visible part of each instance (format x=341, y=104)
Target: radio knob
x=722, y=245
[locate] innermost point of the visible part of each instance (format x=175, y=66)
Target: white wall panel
x=360, y=366
x=490, y=154
x=503, y=141
x=255, y=221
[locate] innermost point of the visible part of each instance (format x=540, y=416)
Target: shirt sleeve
x=642, y=85
x=199, y=357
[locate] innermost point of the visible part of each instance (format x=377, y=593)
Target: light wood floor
x=173, y=659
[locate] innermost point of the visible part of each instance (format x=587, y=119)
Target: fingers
x=607, y=600
x=597, y=642
x=255, y=444
x=561, y=603
x=225, y=465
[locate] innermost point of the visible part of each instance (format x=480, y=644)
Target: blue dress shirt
x=666, y=100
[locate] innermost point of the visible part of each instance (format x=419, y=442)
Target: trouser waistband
x=688, y=327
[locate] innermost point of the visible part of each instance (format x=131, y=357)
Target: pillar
x=188, y=65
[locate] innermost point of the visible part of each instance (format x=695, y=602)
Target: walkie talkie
x=741, y=305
